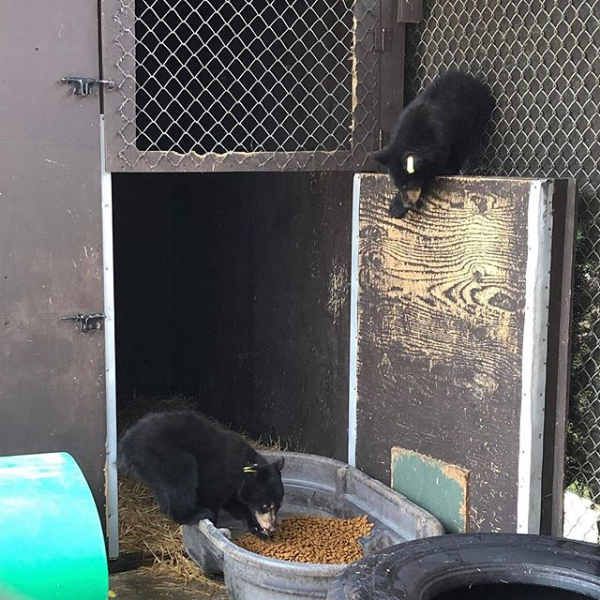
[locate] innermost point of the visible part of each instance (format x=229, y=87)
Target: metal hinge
x=82, y=86
x=88, y=322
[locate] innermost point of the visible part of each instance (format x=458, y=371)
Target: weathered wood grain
x=441, y=316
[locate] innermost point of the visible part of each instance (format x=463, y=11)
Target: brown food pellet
x=312, y=539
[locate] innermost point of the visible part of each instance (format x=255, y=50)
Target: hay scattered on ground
x=143, y=528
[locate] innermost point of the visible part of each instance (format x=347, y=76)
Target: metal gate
x=542, y=59
x=221, y=85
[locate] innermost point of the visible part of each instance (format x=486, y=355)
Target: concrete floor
x=133, y=585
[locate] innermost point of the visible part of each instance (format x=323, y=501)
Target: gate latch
x=91, y=321
x=82, y=86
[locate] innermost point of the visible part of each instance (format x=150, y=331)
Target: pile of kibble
x=312, y=539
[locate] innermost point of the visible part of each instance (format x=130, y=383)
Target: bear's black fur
x=435, y=135
x=196, y=468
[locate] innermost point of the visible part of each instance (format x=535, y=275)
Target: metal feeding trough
x=317, y=486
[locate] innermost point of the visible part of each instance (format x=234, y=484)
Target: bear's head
x=409, y=171
x=262, y=492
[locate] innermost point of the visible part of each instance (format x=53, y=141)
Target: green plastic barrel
x=51, y=541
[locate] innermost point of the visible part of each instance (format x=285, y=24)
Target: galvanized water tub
x=318, y=486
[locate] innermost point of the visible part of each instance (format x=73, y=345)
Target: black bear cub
x=435, y=135
x=196, y=468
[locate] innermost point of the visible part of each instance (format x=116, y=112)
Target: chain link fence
x=232, y=84
x=542, y=61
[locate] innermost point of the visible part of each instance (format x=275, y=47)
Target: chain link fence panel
x=232, y=84
x=542, y=61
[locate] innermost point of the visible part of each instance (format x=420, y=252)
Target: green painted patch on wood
x=438, y=487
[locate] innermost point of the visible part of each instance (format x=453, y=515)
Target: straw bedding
x=143, y=528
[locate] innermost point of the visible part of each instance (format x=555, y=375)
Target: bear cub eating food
x=435, y=135
x=195, y=468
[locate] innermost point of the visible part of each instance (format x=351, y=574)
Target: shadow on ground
x=136, y=585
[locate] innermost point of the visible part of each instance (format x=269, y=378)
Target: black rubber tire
x=424, y=569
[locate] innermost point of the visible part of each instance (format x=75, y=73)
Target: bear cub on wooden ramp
x=435, y=135
x=196, y=468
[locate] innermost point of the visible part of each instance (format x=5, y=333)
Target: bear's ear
x=382, y=156
x=279, y=463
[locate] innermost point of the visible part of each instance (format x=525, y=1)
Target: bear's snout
x=267, y=521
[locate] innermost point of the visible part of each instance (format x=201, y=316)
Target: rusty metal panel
x=52, y=390
x=237, y=86
x=453, y=329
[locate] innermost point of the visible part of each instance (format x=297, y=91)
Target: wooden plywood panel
x=452, y=320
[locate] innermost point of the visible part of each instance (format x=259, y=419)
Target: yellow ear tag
x=410, y=165
x=249, y=470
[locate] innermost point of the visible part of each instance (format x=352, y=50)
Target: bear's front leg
x=202, y=513
x=397, y=208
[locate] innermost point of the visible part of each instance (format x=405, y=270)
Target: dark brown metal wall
x=52, y=376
